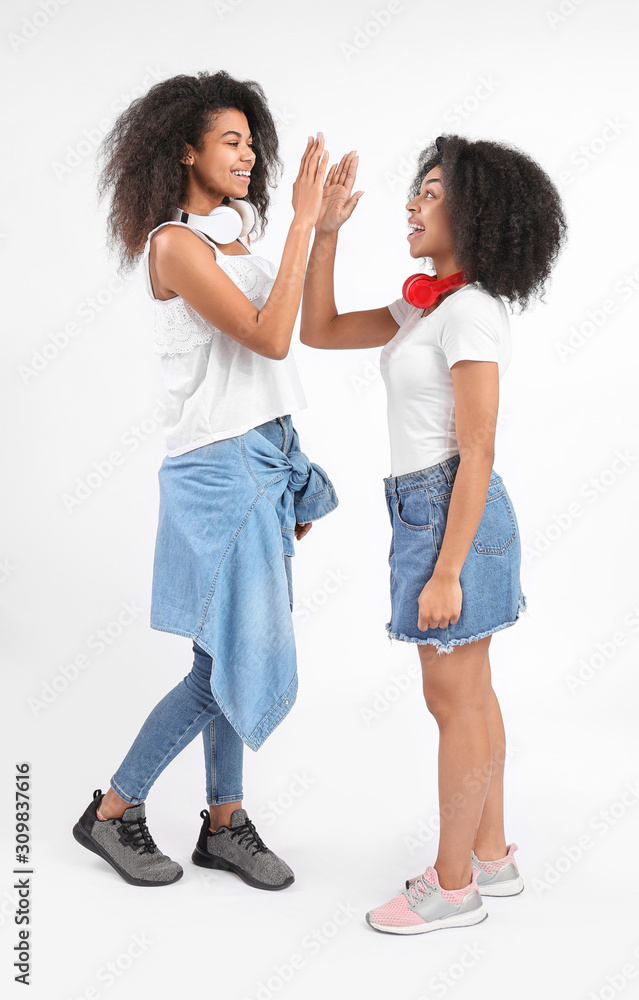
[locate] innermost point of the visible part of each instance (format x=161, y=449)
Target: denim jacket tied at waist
x=222, y=572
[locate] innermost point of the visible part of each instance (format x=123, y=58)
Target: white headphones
x=224, y=223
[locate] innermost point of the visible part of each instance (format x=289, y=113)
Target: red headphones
x=423, y=290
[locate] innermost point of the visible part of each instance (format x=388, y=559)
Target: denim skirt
x=492, y=597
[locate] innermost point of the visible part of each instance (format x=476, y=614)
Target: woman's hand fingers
x=321, y=167
x=342, y=168
x=331, y=171
x=318, y=158
x=338, y=170
x=351, y=170
x=314, y=159
x=311, y=146
x=343, y=173
x=347, y=171
x=439, y=604
x=313, y=153
x=305, y=155
x=308, y=187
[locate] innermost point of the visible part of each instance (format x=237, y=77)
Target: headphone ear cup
x=226, y=227
x=423, y=290
x=418, y=290
x=246, y=212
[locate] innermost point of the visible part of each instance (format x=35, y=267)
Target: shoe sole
x=85, y=840
x=207, y=861
x=511, y=888
x=461, y=920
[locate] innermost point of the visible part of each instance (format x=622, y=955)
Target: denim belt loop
x=447, y=471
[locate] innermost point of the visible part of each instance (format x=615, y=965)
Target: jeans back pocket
x=498, y=528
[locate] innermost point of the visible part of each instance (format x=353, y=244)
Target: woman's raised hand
x=337, y=203
x=308, y=186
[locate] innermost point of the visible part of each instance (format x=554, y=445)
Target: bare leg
x=454, y=695
x=112, y=805
x=490, y=842
x=221, y=815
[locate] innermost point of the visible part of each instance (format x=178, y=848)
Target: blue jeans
x=191, y=707
x=174, y=722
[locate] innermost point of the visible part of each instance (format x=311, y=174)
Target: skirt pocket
x=414, y=510
x=498, y=528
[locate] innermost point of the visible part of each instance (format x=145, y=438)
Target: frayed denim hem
x=522, y=608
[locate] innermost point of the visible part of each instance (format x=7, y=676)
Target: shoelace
x=248, y=836
x=419, y=890
x=136, y=833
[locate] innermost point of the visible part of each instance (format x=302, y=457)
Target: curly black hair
x=141, y=153
x=507, y=219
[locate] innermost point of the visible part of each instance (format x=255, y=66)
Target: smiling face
x=432, y=236
x=222, y=167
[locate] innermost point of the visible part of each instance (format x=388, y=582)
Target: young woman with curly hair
x=490, y=212
x=235, y=488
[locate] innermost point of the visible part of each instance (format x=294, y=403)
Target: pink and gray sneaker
x=494, y=878
x=425, y=906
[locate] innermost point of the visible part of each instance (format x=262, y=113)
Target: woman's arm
x=476, y=393
x=321, y=325
x=184, y=264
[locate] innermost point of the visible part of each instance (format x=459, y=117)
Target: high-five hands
x=337, y=202
x=308, y=186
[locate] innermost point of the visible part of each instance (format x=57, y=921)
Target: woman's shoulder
x=476, y=301
x=170, y=234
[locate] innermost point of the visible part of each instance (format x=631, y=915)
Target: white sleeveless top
x=215, y=387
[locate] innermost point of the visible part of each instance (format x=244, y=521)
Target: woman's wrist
x=326, y=236
x=323, y=250
x=446, y=571
x=301, y=225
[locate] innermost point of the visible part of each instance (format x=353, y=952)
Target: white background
x=558, y=75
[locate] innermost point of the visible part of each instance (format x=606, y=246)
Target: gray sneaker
x=240, y=849
x=495, y=878
x=126, y=845
x=499, y=878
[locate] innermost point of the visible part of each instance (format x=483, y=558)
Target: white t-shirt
x=215, y=387
x=469, y=324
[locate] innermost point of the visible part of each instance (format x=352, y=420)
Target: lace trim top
x=215, y=387
x=177, y=327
